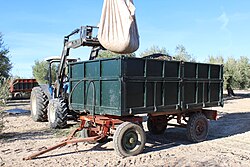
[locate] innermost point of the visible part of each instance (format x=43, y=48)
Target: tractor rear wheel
x=57, y=113
x=38, y=102
x=129, y=139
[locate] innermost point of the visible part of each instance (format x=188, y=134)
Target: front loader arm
x=86, y=39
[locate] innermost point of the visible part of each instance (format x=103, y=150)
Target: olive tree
x=182, y=54
x=40, y=71
x=154, y=50
x=236, y=72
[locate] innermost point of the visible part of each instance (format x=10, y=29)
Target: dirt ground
x=228, y=143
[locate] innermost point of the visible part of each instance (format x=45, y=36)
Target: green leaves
x=40, y=71
x=5, y=64
x=182, y=54
x=236, y=71
x=4, y=89
x=154, y=50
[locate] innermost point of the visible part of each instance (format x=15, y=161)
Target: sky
x=34, y=30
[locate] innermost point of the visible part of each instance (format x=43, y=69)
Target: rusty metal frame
x=101, y=125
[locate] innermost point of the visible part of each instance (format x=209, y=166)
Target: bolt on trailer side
x=128, y=86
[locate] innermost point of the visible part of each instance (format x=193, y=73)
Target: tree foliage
x=4, y=89
x=41, y=70
x=5, y=64
x=181, y=54
x=236, y=71
x=154, y=50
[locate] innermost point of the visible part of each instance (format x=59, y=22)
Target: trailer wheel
x=57, y=113
x=85, y=133
x=38, y=102
x=129, y=139
x=156, y=125
x=197, y=127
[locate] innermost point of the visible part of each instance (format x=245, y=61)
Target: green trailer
x=128, y=86
x=111, y=94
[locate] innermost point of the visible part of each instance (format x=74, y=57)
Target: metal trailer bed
x=128, y=86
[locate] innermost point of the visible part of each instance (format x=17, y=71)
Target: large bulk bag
x=118, y=29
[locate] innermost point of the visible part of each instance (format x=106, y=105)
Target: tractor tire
x=155, y=127
x=38, y=104
x=129, y=139
x=197, y=127
x=57, y=113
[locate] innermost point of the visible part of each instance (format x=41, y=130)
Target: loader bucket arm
x=86, y=39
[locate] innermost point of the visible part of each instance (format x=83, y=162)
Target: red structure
x=19, y=87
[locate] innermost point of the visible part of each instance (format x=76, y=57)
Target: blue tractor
x=53, y=97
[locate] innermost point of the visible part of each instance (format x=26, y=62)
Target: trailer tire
x=129, y=139
x=38, y=104
x=57, y=113
x=155, y=127
x=85, y=133
x=197, y=127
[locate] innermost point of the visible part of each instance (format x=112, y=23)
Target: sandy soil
x=228, y=143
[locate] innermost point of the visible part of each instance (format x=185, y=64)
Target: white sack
x=117, y=29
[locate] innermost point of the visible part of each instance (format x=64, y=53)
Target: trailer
x=21, y=88
x=118, y=89
x=111, y=94
x=127, y=86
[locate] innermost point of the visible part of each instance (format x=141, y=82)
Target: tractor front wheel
x=57, y=113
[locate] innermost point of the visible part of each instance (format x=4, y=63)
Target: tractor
x=55, y=94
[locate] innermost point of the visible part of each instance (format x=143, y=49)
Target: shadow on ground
x=28, y=135
x=237, y=96
x=227, y=125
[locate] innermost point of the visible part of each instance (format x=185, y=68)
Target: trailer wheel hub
x=130, y=140
x=200, y=128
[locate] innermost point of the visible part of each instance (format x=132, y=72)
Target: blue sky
x=34, y=30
